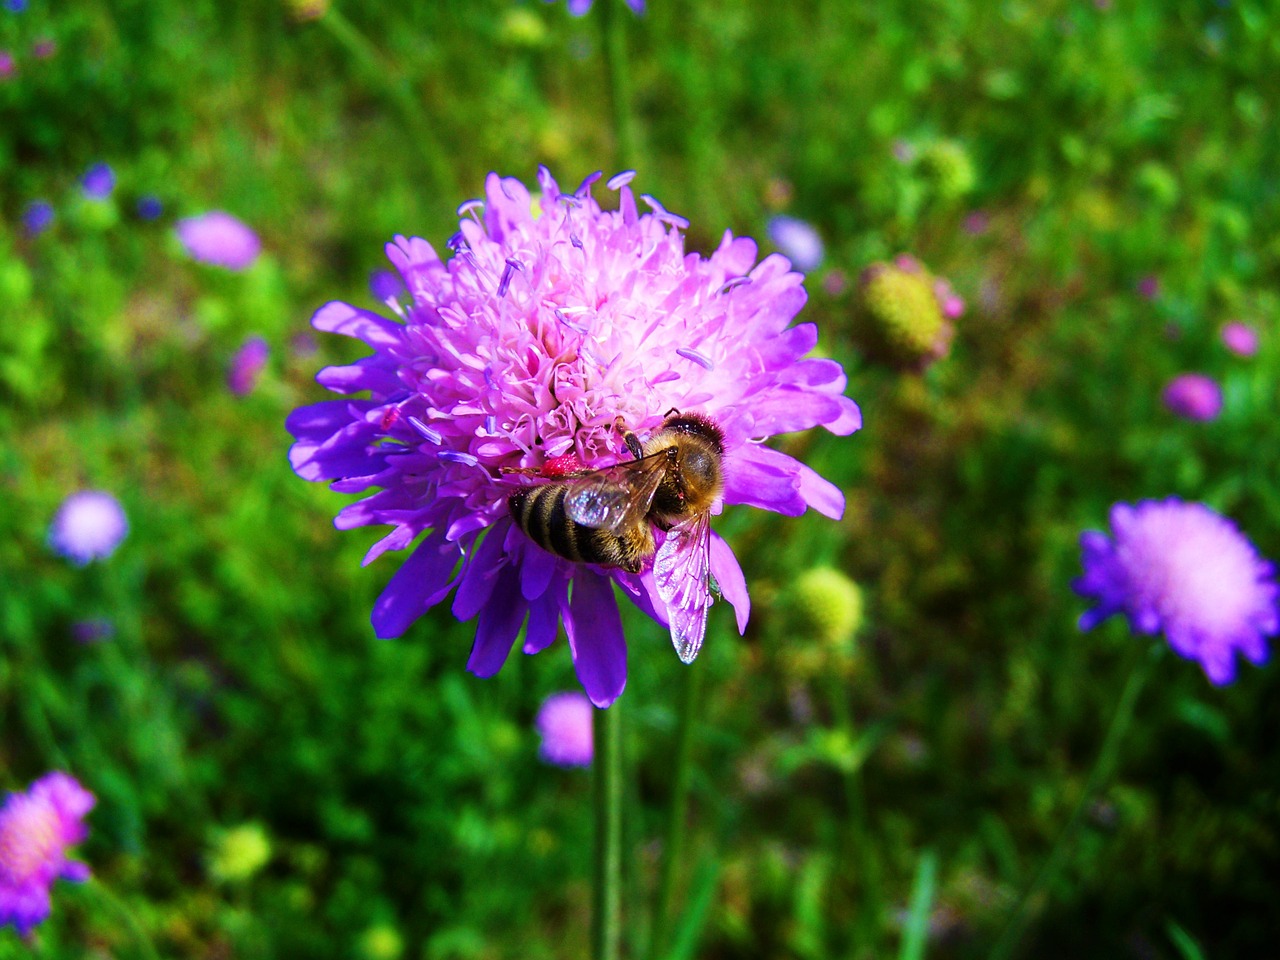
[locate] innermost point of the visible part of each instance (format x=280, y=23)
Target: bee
x=608, y=516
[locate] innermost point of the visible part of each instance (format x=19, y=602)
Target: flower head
x=1240, y=338
x=219, y=239
x=1149, y=287
x=1184, y=570
x=564, y=722
x=150, y=207
x=37, y=217
x=947, y=165
x=798, y=241
x=579, y=8
x=98, y=181
x=247, y=365
x=553, y=323
x=36, y=828
x=905, y=313
x=88, y=526
x=8, y=66
x=1194, y=396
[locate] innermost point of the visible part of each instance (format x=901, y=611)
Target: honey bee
x=608, y=516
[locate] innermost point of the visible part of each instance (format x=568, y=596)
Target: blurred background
x=912, y=707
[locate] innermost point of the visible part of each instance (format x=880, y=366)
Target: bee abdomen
x=539, y=511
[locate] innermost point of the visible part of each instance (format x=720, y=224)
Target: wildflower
x=88, y=526
x=825, y=605
x=219, y=239
x=564, y=723
x=1240, y=338
x=247, y=365
x=239, y=853
x=8, y=66
x=905, y=313
x=1149, y=287
x=946, y=164
x=93, y=630
x=15, y=6
x=798, y=241
x=37, y=217
x=1194, y=396
x=36, y=828
x=44, y=48
x=98, y=182
x=149, y=207
x=976, y=223
x=531, y=342
x=1184, y=570
x=580, y=7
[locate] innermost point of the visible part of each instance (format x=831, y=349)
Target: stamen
x=431, y=435
x=701, y=359
x=491, y=425
x=545, y=181
x=512, y=266
x=568, y=200
x=457, y=456
x=733, y=282
x=663, y=215
x=502, y=185
x=585, y=187
x=562, y=316
x=468, y=207
x=620, y=180
x=488, y=378
x=456, y=242
x=575, y=240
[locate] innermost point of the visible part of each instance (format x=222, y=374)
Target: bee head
x=697, y=425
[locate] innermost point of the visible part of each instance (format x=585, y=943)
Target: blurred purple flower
x=835, y=283
x=150, y=207
x=1240, y=338
x=8, y=66
x=36, y=828
x=93, y=630
x=220, y=240
x=529, y=343
x=564, y=722
x=1149, y=286
x=1184, y=570
x=976, y=223
x=798, y=241
x=247, y=365
x=1194, y=396
x=98, y=181
x=88, y=526
x=15, y=6
x=386, y=285
x=44, y=48
x=37, y=217
x=579, y=7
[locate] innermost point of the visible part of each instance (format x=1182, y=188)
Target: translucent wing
x=615, y=498
x=682, y=574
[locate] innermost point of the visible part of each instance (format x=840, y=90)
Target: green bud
x=239, y=853
x=947, y=166
x=381, y=942
x=521, y=27
x=900, y=320
x=823, y=604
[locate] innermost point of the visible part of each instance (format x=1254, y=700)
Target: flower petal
x=420, y=583
x=733, y=585
x=594, y=629
x=499, y=624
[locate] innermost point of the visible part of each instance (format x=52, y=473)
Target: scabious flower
x=8, y=66
x=1194, y=396
x=247, y=365
x=37, y=217
x=580, y=7
x=1149, y=287
x=98, y=182
x=36, y=828
x=904, y=313
x=1240, y=338
x=219, y=239
x=549, y=323
x=150, y=207
x=798, y=241
x=1184, y=570
x=564, y=723
x=88, y=526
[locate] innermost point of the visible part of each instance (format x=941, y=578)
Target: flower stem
x=1102, y=767
x=614, y=38
x=673, y=848
x=105, y=895
x=606, y=918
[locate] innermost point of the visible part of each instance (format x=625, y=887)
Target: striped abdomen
x=539, y=512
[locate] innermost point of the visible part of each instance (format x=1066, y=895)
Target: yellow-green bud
x=239, y=853
x=381, y=942
x=823, y=604
x=947, y=165
x=521, y=27
x=900, y=319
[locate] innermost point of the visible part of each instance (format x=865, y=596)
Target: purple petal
x=480, y=574
x=377, y=331
x=820, y=493
x=499, y=623
x=421, y=582
x=758, y=476
x=594, y=629
x=733, y=585
x=544, y=619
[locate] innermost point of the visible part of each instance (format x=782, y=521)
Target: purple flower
x=549, y=324
x=8, y=66
x=1240, y=338
x=15, y=6
x=564, y=723
x=150, y=207
x=44, y=48
x=1149, y=286
x=579, y=7
x=98, y=182
x=1194, y=396
x=247, y=365
x=1183, y=569
x=219, y=239
x=93, y=631
x=36, y=828
x=798, y=241
x=386, y=285
x=88, y=526
x=37, y=217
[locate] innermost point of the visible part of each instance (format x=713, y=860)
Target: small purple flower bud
x=98, y=181
x=219, y=239
x=1240, y=338
x=37, y=217
x=564, y=722
x=149, y=207
x=1194, y=396
x=798, y=241
x=247, y=365
x=88, y=526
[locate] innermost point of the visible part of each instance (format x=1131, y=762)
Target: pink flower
x=1240, y=338
x=219, y=239
x=247, y=365
x=564, y=721
x=1194, y=396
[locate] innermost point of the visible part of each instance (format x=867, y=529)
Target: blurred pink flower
x=219, y=239
x=1240, y=338
x=1194, y=396
x=564, y=721
x=247, y=365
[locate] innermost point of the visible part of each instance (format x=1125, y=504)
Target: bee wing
x=682, y=574
x=615, y=498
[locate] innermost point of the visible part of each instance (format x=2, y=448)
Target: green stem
x=397, y=88
x=130, y=918
x=614, y=39
x=673, y=848
x=1102, y=768
x=606, y=914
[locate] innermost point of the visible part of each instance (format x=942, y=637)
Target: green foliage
x=400, y=799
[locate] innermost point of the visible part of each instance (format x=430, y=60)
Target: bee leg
x=522, y=471
x=629, y=438
x=673, y=412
